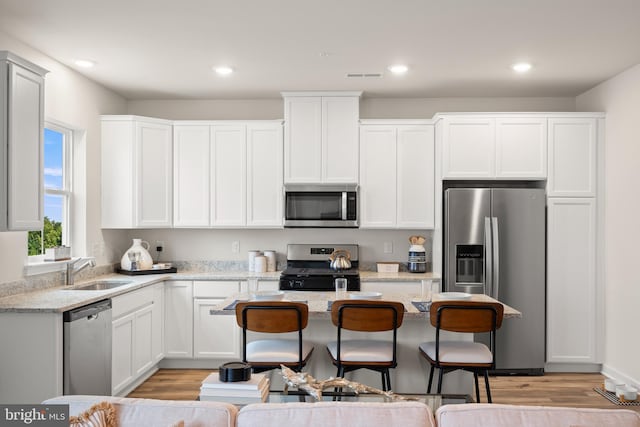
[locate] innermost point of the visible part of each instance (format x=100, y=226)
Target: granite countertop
x=62, y=298
x=318, y=303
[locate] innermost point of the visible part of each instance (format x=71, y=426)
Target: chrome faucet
x=72, y=269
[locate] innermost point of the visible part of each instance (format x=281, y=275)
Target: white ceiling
x=165, y=49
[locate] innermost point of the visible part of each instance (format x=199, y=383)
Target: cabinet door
x=191, y=180
x=378, y=177
x=153, y=177
x=572, y=158
x=25, y=150
x=214, y=336
x=229, y=175
x=340, y=139
x=122, y=338
x=468, y=148
x=117, y=173
x=303, y=139
x=415, y=177
x=157, y=327
x=264, y=175
x=143, y=340
x=178, y=319
x=521, y=148
x=571, y=280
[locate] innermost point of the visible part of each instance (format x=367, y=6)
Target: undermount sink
x=100, y=285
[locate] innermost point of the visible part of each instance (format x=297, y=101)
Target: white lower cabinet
x=178, y=319
x=571, y=281
x=136, y=331
x=214, y=336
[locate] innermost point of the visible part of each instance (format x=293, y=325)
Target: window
x=57, y=190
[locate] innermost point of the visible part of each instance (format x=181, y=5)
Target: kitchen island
x=412, y=372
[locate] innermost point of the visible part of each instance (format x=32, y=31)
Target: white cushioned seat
x=495, y=415
x=458, y=352
x=336, y=414
x=278, y=350
x=133, y=412
x=362, y=350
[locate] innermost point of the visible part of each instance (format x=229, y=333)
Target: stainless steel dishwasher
x=87, y=349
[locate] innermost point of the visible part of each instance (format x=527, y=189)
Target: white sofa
x=164, y=413
x=133, y=412
x=495, y=415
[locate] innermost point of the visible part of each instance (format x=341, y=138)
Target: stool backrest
x=272, y=316
x=466, y=316
x=367, y=315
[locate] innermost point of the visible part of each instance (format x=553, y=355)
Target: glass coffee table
x=434, y=401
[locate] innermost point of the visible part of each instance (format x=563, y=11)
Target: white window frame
x=66, y=192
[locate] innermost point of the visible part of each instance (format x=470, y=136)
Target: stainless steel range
x=308, y=268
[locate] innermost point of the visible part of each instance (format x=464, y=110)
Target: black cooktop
x=317, y=271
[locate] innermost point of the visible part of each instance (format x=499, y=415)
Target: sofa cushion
x=336, y=414
x=494, y=415
x=133, y=412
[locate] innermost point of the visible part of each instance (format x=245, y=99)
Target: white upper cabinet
x=321, y=137
x=21, y=143
x=191, y=181
x=137, y=165
x=572, y=157
x=264, y=175
x=228, y=174
x=480, y=147
x=397, y=176
x=521, y=148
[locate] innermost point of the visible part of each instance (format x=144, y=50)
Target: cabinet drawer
x=131, y=301
x=215, y=289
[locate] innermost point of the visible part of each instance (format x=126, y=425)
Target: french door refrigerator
x=494, y=243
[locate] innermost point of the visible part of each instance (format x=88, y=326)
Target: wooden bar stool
x=365, y=316
x=448, y=356
x=274, y=317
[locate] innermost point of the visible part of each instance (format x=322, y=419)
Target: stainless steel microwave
x=321, y=205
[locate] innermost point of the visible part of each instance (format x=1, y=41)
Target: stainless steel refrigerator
x=494, y=243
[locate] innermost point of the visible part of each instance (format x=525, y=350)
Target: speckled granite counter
x=59, y=299
x=318, y=303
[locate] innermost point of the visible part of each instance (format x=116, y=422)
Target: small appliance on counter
x=417, y=255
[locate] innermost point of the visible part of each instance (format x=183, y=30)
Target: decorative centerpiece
x=305, y=382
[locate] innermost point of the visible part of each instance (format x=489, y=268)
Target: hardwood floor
x=549, y=390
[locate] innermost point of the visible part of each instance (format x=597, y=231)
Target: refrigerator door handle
x=488, y=257
x=495, y=239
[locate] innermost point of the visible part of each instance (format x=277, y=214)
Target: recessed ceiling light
x=398, y=69
x=84, y=63
x=223, y=70
x=521, y=67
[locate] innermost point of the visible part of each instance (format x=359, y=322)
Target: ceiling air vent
x=364, y=75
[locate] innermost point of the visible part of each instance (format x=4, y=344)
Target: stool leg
x=486, y=383
x=433, y=367
x=440, y=374
x=475, y=378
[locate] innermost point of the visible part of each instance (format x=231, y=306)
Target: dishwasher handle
x=87, y=311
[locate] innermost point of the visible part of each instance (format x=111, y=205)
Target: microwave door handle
x=344, y=205
x=488, y=257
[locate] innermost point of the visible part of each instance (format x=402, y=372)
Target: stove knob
x=298, y=284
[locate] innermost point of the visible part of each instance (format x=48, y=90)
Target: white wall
x=76, y=101
x=370, y=108
x=619, y=97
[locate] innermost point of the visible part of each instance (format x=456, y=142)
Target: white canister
x=271, y=260
x=260, y=264
x=252, y=256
